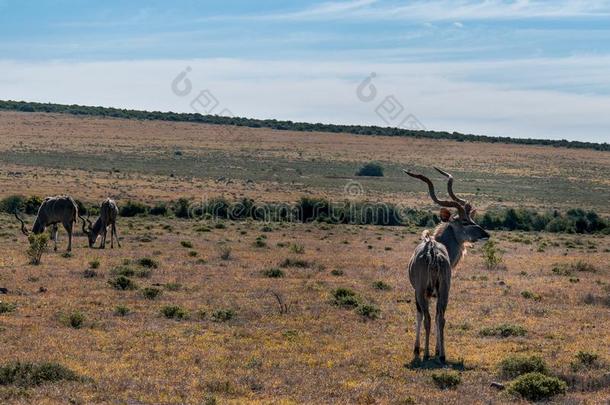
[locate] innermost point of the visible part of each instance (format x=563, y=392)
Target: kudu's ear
x=445, y=215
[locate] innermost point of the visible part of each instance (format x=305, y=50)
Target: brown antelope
x=434, y=258
x=52, y=211
x=108, y=214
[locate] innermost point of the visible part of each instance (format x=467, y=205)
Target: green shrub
x=537, y=386
x=337, y=272
x=369, y=311
x=223, y=315
x=530, y=295
x=148, y=262
x=25, y=374
x=122, y=283
x=182, y=208
x=75, y=319
x=12, y=203
x=172, y=286
x=514, y=366
x=123, y=270
x=296, y=248
x=446, y=379
x=6, y=307
x=150, y=293
x=225, y=252
x=38, y=246
x=174, y=312
x=370, y=169
x=380, y=285
x=193, y=253
x=133, y=208
x=585, y=360
x=344, y=297
x=94, y=264
x=121, y=310
x=260, y=242
x=273, y=273
x=491, y=255
x=186, y=244
x=504, y=330
x=289, y=262
x=89, y=273
x=159, y=209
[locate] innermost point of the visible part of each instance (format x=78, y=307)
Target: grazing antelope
x=108, y=214
x=52, y=211
x=435, y=257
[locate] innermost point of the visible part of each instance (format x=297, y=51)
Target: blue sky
x=516, y=68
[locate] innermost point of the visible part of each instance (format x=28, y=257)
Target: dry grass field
x=228, y=339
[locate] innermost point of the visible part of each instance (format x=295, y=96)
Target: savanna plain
x=209, y=310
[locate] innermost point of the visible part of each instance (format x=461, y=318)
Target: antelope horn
x=23, y=229
x=84, y=225
x=450, y=186
x=442, y=203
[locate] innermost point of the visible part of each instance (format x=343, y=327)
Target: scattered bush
x=273, y=273
x=123, y=270
x=122, y=283
x=74, y=319
x=148, y=262
x=491, y=255
x=369, y=311
x=187, y=244
x=121, y=310
x=150, y=293
x=6, y=307
x=296, y=248
x=260, y=242
x=289, y=262
x=159, y=209
x=94, y=264
x=537, y=386
x=504, y=330
x=514, y=366
x=344, y=297
x=223, y=315
x=133, y=208
x=182, y=208
x=89, y=273
x=174, y=312
x=530, y=295
x=225, y=252
x=172, y=286
x=25, y=374
x=585, y=360
x=12, y=203
x=337, y=272
x=38, y=246
x=372, y=169
x=380, y=285
x=446, y=379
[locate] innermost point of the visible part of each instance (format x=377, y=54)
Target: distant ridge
x=74, y=109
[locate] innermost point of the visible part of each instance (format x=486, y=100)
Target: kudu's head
x=462, y=222
x=88, y=230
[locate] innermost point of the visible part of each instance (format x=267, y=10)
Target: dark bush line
x=286, y=125
x=310, y=209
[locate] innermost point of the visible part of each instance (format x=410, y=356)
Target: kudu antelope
x=52, y=211
x=434, y=259
x=108, y=215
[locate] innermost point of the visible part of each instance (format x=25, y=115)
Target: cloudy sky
x=513, y=68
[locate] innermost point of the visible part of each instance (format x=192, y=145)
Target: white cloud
x=444, y=96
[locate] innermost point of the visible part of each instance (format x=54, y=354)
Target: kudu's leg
x=423, y=304
x=420, y=316
x=441, y=306
x=111, y=237
x=115, y=234
x=103, y=242
x=68, y=228
x=54, y=236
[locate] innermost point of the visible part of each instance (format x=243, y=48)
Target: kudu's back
x=53, y=210
x=429, y=266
